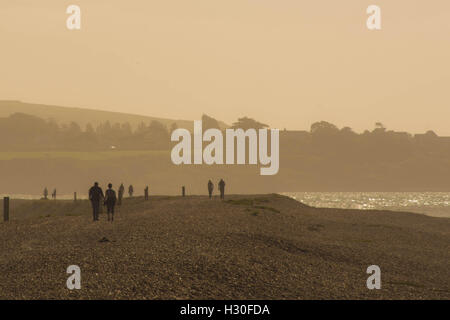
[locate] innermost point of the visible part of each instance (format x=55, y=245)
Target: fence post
x=6, y=209
x=183, y=191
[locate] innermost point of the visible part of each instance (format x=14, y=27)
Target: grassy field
x=82, y=155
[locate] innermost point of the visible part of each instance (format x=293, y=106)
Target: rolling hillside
x=80, y=115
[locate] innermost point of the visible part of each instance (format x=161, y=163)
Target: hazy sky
x=285, y=62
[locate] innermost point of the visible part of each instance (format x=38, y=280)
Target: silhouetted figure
x=110, y=202
x=183, y=191
x=45, y=193
x=146, y=193
x=96, y=195
x=210, y=188
x=130, y=190
x=121, y=192
x=222, y=189
x=54, y=194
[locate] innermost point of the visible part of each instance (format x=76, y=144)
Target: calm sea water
x=435, y=204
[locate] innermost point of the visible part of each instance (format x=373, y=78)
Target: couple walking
x=109, y=200
x=221, y=188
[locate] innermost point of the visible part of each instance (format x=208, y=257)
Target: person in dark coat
x=210, y=188
x=96, y=195
x=110, y=202
x=222, y=189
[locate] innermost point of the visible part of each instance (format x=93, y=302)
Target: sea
x=436, y=204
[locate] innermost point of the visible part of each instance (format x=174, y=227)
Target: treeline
x=327, y=141
x=23, y=132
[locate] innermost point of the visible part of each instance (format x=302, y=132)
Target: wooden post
x=74, y=196
x=183, y=191
x=6, y=209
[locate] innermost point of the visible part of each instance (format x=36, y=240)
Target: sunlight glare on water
x=435, y=204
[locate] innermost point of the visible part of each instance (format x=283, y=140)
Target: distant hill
x=82, y=116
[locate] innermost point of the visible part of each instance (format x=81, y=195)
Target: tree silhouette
x=248, y=123
x=323, y=127
x=379, y=127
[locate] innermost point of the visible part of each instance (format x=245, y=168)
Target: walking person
x=222, y=189
x=95, y=195
x=110, y=202
x=45, y=193
x=146, y=193
x=130, y=190
x=121, y=192
x=210, y=188
x=54, y=194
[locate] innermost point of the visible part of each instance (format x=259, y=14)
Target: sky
x=287, y=63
